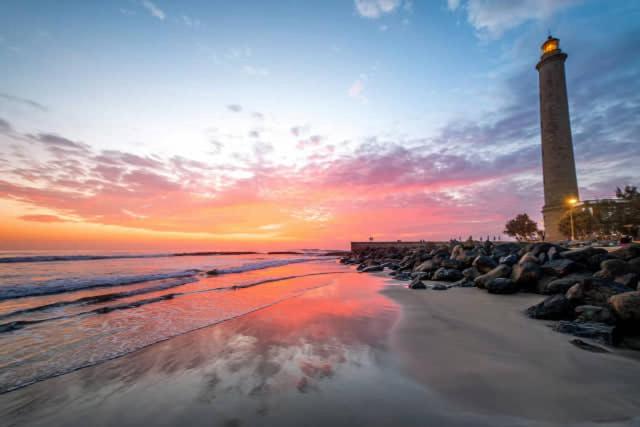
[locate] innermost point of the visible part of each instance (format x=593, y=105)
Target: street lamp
x=572, y=202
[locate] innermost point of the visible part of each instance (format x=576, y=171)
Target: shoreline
x=484, y=355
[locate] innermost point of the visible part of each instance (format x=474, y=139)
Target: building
x=558, y=164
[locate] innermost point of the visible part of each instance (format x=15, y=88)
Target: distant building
x=558, y=164
x=608, y=218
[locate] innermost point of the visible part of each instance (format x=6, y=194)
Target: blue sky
x=246, y=86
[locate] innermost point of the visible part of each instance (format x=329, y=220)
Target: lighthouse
x=558, y=164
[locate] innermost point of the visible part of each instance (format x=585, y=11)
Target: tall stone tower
x=558, y=164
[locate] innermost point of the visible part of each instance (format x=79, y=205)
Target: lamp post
x=572, y=202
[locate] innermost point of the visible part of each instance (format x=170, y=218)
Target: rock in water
x=484, y=264
x=589, y=347
x=626, y=305
x=372, y=269
x=502, y=270
x=502, y=285
x=555, y=307
x=605, y=334
x=417, y=284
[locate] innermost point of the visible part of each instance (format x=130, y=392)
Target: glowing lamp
x=572, y=201
x=550, y=45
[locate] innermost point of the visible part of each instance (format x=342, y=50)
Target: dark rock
x=615, y=267
x=417, y=284
x=213, y=272
x=502, y=285
x=464, y=283
x=403, y=275
x=605, y=334
x=372, y=269
x=559, y=267
x=528, y=258
x=470, y=273
x=439, y=287
x=629, y=280
x=634, y=266
x=421, y=275
x=589, y=347
x=526, y=275
x=452, y=263
x=626, y=306
x=594, y=313
x=594, y=261
x=562, y=285
x=484, y=264
x=446, y=275
x=555, y=307
x=627, y=253
x=510, y=259
x=502, y=270
x=583, y=254
x=428, y=265
x=503, y=249
x=594, y=291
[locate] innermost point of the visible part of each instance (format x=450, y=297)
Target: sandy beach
x=356, y=349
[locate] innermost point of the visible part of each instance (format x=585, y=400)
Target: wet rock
x=501, y=270
x=594, y=313
x=588, y=347
x=484, y=264
x=417, y=284
x=213, y=272
x=600, y=332
x=403, y=275
x=502, y=285
x=446, y=275
x=372, y=269
x=421, y=275
x=555, y=307
x=626, y=306
x=561, y=285
x=439, y=287
x=464, y=283
x=559, y=267
x=526, y=275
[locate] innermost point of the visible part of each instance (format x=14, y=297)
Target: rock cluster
x=591, y=292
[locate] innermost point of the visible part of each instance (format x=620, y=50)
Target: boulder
x=464, y=283
x=502, y=285
x=559, y=267
x=372, y=268
x=417, y=284
x=402, y=275
x=555, y=307
x=421, y=275
x=446, y=275
x=626, y=306
x=634, y=266
x=510, y=259
x=428, y=265
x=629, y=280
x=504, y=249
x=594, y=291
x=502, y=270
x=484, y=264
x=594, y=313
x=528, y=257
x=582, y=255
x=439, y=287
x=561, y=285
x=526, y=274
x=470, y=273
x=453, y=263
x=614, y=267
x=606, y=334
x=628, y=252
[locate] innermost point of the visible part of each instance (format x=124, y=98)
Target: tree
x=521, y=227
x=585, y=223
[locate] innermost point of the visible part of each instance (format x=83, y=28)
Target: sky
x=237, y=125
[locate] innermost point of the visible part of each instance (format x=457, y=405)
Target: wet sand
x=352, y=351
x=481, y=352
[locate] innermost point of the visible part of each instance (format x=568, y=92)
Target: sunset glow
x=139, y=129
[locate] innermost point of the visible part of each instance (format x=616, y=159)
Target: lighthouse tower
x=558, y=164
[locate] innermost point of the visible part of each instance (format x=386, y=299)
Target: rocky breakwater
x=589, y=292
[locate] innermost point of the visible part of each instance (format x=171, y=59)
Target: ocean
x=62, y=311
